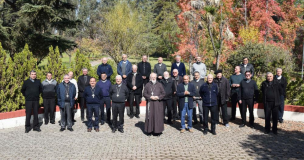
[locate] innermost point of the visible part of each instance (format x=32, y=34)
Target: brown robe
x=154, y=111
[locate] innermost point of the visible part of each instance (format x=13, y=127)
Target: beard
x=153, y=81
x=166, y=77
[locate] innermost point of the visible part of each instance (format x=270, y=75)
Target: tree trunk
x=267, y=28
x=246, y=14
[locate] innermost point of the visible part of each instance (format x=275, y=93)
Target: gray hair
x=84, y=69
x=153, y=74
x=210, y=75
x=177, y=56
x=124, y=55
x=118, y=76
x=32, y=71
x=279, y=69
x=268, y=73
x=166, y=72
x=196, y=72
x=134, y=65
x=175, y=70
x=66, y=75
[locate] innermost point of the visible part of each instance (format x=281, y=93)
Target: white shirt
x=245, y=65
x=177, y=63
x=160, y=64
x=279, y=77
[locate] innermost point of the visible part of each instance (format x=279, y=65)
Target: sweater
x=88, y=95
x=49, y=89
x=201, y=68
x=105, y=87
x=159, y=70
x=122, y=92
x=181, y=69
x=128, y=68
x=105, y=68
x=235, y=79
x=197, y=86
x=248, y=90
x=31, y=90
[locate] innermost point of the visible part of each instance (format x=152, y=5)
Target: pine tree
x=55, y=65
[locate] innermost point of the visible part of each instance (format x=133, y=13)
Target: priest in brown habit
x=154, y=93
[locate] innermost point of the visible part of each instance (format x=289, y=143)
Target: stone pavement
x=229, y=143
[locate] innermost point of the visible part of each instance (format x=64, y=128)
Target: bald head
x=104, y=60
x=210, y=78
x=160, y=60
x=237, y=69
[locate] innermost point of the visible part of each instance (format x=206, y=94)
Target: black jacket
x=122, y=95
x=144, y=68
x=168, y=87
x=277, y=92
x=31, y=90
x=223, y=89
x=283, y=83
x=176, y=82
x=138, y=83
x=82, y=85
x=249, y=67
x=248, y=90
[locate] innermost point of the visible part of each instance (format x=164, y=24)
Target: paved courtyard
x=229, y=143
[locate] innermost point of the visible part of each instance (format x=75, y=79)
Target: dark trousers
x=223, y=108
x=174, y=107
x=72, y=112
x=271, y=110
x=66, y=116
x=105, y=101
x=82, y=104
x=118, y=109
x=131, y=101
x=168, y=105
x=49, y=110
x=29, y=107
x=234, y=101
x=146, y=80
x=249, y=103
x=93, y=109
x=281, y=108
x=213, y=110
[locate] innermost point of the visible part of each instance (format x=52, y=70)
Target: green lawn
x=65, y=60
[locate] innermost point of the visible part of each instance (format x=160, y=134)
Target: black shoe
x=37, y=129
x=169, y=122
x=113, y=130
x=232, y=119
x=281, y=121
x=121, y=130
x=46, y=123
x=102, y=123
x=242, y=125
x=137, y=116
x=27, y=130
x=73, y=120
x=70, y=129
x=131, y=116
x=205, y=132
x=82, y=119
x=251, y=126
x=213, y=132
x=275, y=133
x=266, y=132
x=195, y=123
x=62, y=129
x=52, y=122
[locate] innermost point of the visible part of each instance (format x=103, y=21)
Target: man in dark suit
x=135, y=84
x=179, y=66
x=144, y=68
x=283, y=83
x=245, y=66
x=169, y=89
x=185, y=92
x=176, y=81
x=83, y=81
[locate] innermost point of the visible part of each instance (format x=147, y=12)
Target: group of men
x=176, y=95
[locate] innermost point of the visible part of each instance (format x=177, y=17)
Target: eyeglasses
x=248, y=75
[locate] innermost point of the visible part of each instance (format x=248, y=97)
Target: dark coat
x=138, y=83
x=105, y=68
x=181, y=69
x=81, y=84
x=248, y=68
x=177, y=82
x=277, y=92
x=180, y=93
x=209, y=96
x=97, y=95
x=61, y=94
x=283, y=83
x=223, y=89
x=128, y=68
x=144, y=68
x=168, y=87
x=123, y=93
